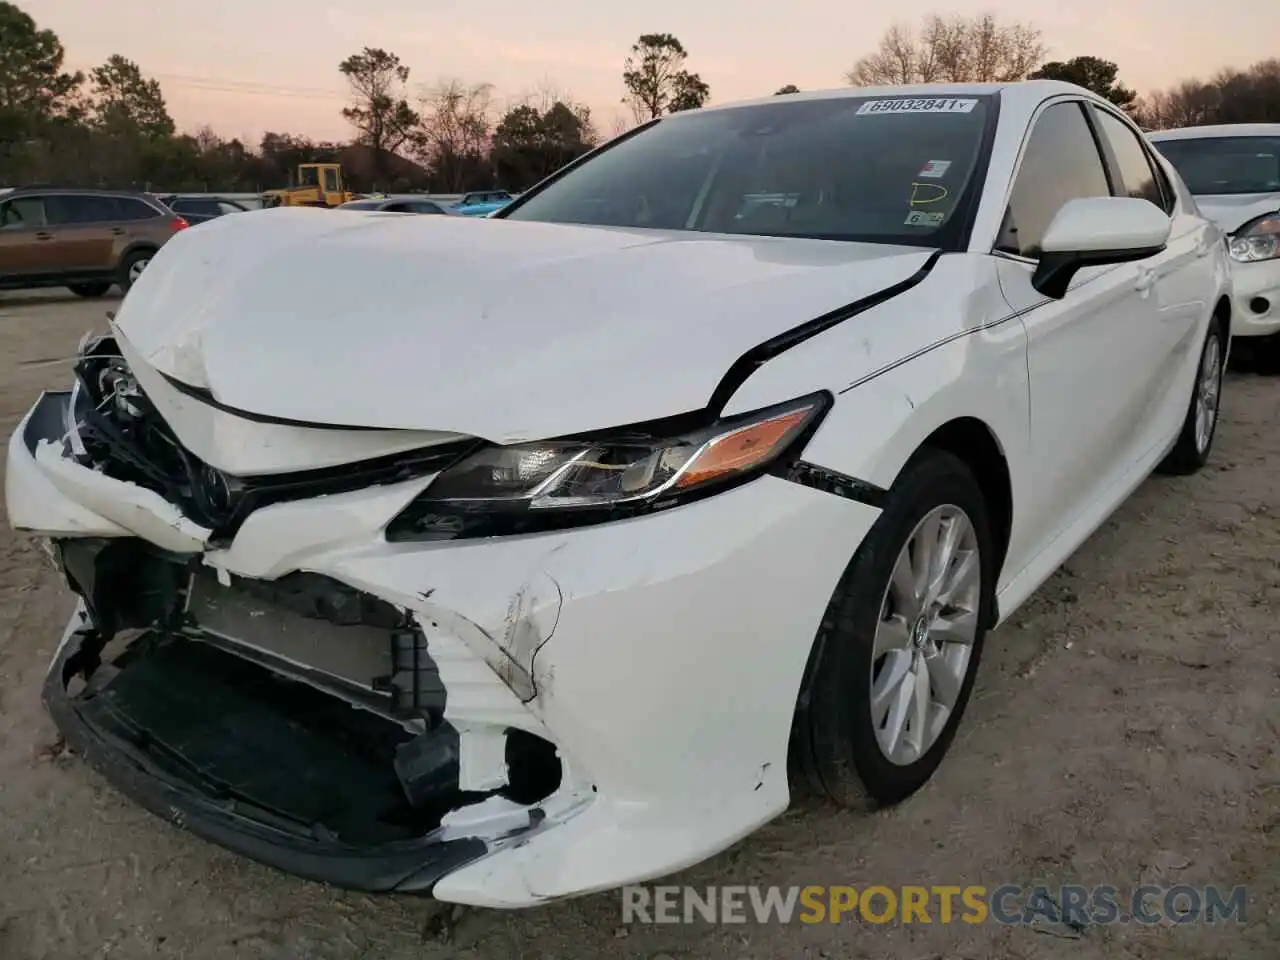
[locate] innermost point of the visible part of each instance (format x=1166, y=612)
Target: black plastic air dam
x=106, y=723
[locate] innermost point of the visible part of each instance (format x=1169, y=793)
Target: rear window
x=882, y=169
x=195, y=206
x=363, y=205
x=1226, y=165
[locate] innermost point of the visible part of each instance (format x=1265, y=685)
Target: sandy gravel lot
x=1124, y=730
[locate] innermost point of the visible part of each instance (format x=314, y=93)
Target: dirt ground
x=1124, y=730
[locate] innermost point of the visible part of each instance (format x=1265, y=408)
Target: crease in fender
x=836, y=483
x=951, y=338
x=759, y=355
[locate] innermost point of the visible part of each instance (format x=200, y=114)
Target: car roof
x=1217, y=130
x=1017, y=93
x=78, y=192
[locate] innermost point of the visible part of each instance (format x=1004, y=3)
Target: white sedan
x=534, y=567
x=1233, y=170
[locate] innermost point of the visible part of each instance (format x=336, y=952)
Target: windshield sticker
x=935, y=168
x=923, y=194
x=919, y=105
x=923, y=218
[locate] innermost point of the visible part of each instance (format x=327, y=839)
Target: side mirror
x=1092, y=231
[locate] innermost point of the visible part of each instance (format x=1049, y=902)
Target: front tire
x=1195, y=441
x=896, y=654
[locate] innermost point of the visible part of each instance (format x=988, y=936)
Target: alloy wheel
x=925, y=636
x=1208, y=390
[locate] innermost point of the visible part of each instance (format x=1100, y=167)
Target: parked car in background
x=533, y=567
x=1233, y=170
x=85, y=240
x=407, y=204
x=481, y=203
x=200, y=209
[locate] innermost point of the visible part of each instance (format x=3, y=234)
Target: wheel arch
x=972, y=440
x=1222, y=317
x=138, y=246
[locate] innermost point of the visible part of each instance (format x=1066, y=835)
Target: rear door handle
x=41, y=235
x=118, y=231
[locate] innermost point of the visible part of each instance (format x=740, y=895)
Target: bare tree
x=619, y=126
x=454, y=132
x=1232, y=96
x=953, y=49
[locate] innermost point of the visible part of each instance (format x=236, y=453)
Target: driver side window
x=1060, y=163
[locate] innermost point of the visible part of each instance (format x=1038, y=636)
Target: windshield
x=889, y=170
x=1224, y=165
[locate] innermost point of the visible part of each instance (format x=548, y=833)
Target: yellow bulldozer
x=317, y=185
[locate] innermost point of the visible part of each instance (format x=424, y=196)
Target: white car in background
x=1233, y=170
x=514, y=564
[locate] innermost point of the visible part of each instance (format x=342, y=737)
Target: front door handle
x=41, y=235
x=118, y=231
x=1146, y=279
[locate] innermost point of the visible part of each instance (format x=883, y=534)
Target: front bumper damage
x=497, y=722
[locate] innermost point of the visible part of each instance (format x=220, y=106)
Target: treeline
x=112, y=128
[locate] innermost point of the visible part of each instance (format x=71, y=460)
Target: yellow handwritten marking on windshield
x=919, y=199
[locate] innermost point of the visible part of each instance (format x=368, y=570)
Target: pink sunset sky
x=245, y=66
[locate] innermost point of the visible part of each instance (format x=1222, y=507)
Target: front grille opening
x=282, y=751
x=124, y=435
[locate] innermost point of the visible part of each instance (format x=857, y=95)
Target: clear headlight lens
x=536, y=486
x=1257, y=240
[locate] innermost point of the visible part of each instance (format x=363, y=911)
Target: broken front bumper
x=661, y=656
x=406, y=867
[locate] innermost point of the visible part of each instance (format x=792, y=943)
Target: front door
x=1088, y=354
x=26, y=244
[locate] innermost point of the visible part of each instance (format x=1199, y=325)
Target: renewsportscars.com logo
x=1074, y=906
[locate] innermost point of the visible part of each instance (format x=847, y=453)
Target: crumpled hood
x=499, y=329
x=1232, y=211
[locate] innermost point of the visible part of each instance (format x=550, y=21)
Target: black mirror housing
x=1055, y=271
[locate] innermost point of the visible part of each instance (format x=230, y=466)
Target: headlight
x=525, y=488
x=1257, y=240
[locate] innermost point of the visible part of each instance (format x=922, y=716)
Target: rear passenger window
x=1061, y=162
x=1136, y=173
x=131, y=209
x=73, y=209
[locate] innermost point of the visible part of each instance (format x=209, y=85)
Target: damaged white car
x=533, y=568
